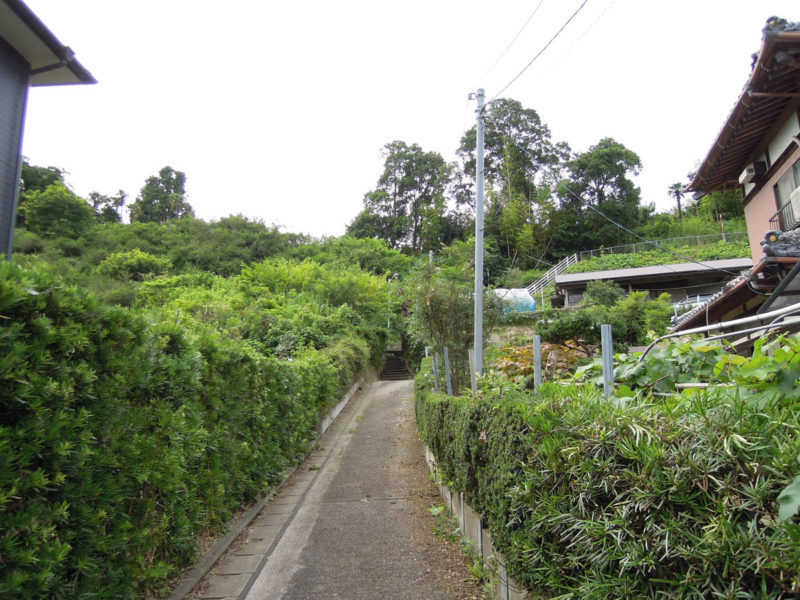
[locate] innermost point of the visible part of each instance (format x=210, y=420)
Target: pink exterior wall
x=762, y=206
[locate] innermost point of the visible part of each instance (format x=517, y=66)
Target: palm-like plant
x=677, y=191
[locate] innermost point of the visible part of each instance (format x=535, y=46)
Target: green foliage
x=162, y=198
x=608, y=262
x=135, y=265
x=516, y=278
x=38, y=179
x=371, y=255
x=56, y=211
x=442, y=306
x=127, y=434
x=665, y=225
x=407, y=208
x=106, y=208
x=675, y=497
x=633, y=319
x=774, y=365
x=598, y=179
x=604, y=293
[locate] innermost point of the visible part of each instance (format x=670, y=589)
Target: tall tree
x=521, y=164
x=38, y=179
x=518, y=152
x=107, y=208
x=409, y=197
x=600, y=178
x=162, y=198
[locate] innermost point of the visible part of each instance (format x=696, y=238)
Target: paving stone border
x=473, y=528
x=213, y=555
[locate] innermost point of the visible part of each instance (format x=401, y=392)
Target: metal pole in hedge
x=537, y=360
x=435, y=372
x=472, y=377
x=447, y=371
x=608, y=359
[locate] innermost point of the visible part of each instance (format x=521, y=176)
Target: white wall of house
x=783, y=139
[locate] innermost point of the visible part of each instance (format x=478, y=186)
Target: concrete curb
x=212, y=556
x=472, y=527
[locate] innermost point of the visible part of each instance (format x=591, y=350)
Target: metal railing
x=548, y=278
x=785, y=219
x=688, y=240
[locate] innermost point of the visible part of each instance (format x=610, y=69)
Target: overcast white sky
x=278, y=110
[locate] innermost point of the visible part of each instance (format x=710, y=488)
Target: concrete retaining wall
x=473, y=528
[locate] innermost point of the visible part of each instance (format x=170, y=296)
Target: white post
x=608, y=359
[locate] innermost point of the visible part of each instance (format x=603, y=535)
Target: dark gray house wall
x=14, y=76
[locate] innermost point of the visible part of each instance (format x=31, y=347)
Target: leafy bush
x=633, y=319
x=676, y=497
x=56, y=211
x=134, y=264
x=442, y=307
x=27, y=242
x=127, y=434
x=516, y=278
x=774, y=365
x=371, y=255
x=604, y=293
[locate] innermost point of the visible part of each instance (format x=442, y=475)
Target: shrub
x=27, y=242
x=588, y=498
x=56, y=211
x=126, y=434
x=133, y=265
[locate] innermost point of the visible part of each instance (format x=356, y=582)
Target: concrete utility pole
x=478, y=333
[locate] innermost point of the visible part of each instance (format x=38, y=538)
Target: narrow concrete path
x=352, y=522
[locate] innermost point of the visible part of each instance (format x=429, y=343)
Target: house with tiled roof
x=757, y=151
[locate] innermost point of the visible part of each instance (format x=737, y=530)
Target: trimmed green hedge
x=594, y=499
x=125, y=435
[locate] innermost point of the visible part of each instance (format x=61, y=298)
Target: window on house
x=788, y=215
x=787, y=184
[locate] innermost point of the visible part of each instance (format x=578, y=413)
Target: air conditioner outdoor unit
x=753, y=172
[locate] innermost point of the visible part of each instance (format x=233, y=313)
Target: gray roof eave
x=51, y=62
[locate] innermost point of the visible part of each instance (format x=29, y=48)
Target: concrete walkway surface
x=352, y=522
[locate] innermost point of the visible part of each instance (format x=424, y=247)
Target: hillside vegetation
x=138, y=416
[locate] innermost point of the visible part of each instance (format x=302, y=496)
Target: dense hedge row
x=126, y=434
x=588, y=498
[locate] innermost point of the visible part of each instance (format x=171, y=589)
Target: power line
x=552, y=39
x=516, y=37
x=636, y=235
x=583, y=35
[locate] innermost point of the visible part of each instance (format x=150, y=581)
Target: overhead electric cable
x=651, y=242
x=583, y=35
x=552, y=39
x=516, y=37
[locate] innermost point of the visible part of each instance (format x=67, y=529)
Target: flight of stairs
x=394, y=369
